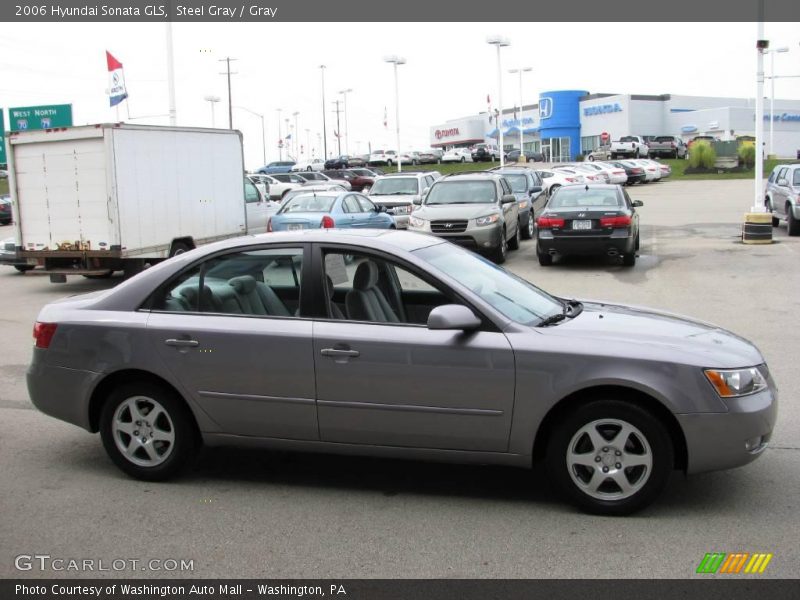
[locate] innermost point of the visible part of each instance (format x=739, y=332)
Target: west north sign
x=25, y=118
x=601, y=109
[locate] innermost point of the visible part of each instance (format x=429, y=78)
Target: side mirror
x=638, y=203
x=380, y=208
x=508, y=199
x=425, y=191
x=453, y=316
x=417, y=200
x=536, y=189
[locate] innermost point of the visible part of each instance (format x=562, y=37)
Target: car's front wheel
x=501, y=252
x=148, y=431
x=528, y=230
x=610, y=457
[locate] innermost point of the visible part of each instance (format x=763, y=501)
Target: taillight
x=327, y=222
x=43, y=333
x=269, y=225
x=571, y=179
x=623, y=221
x=619, y=172
x=548, y=222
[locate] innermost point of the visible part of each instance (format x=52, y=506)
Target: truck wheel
x=178, y=248
x=148, y=431
x=610, y=457
x=792, y=224
x=105, y=275
x=23, y=268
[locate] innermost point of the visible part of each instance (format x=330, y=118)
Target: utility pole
x=324, y=124
x=338, y=131
x=173, y=113
x=227, y=60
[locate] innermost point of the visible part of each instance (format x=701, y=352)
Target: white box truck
x=95, y=199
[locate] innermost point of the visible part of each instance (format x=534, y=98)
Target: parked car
x=614, y=174
x=526, y=185
x=320, y=177
x=329, y=210
x=279, y=184
x=340, y=162
x=589, y=220
x=429, y=157
x=476, y=210
x=280, y=166
x=586, y=177
x=364, y=172
x=652, y=170
x=5, y=210
x=601, y=153
x=8, y=256
x=357, y=182
x=514, y=156
x=312, y=188
x=485, y=152
x=782, y=196
x=552, y=179
x=667, y=146
x=383, y=157
x=457, y=155
x=634, y=172
x=398, y=192
x=311, y=164
x=632, y=146
x=701, y=138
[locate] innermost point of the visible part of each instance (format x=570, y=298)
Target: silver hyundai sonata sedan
x=397, y=344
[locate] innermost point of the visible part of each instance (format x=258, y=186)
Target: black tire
x=178, y=248
x=653, y=433
x=501, y=252
x=463, y=159
x=105, y=275
x=590, y=158
x=545, y=259
x=529, y=230
x=792, y=224
x=23, y=268
x=675, y=155
x=629, y=259
x=179, y=454
x=389, y=163
x=513, y=243
x=768, y=206
x=5, y=222
x=613, y=156
x=636, y=244
x=309, y=169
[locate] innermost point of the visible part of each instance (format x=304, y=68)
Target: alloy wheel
x=143, y=431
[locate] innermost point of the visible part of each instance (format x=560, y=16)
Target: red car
x=357, y=182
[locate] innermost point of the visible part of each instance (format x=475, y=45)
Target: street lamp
x=280, y=135
x=396, y=60
x=500, y=42
x=294, y=137
x=263, y=131
x=212, y=100
x=346, y=136
x=772, y=52
x=521, y=70
x=324, y=125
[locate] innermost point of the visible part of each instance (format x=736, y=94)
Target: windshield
x=664, y=138
x=394, y=186
x=308, y=203
x=518, y=182
x=579, y=197
x=514, y=298
x=461, y=192
x=314, y=176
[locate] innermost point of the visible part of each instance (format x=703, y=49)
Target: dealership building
x=566, y=123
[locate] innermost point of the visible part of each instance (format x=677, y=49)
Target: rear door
x=779, y=192
x=259, y=208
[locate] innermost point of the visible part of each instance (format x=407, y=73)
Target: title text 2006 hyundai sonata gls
x=397, y=344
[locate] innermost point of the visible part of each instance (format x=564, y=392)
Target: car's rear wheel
x=636, y=244
x=309, y=168
x=513, y=243
x=610, y=457
x=501, y=252
x=148, y=431
x=792, y=224
x=629, y=259
x=545, y=259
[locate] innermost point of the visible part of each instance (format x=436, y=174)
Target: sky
x=450, y=69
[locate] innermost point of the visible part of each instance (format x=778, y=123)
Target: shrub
x=580, y=158
x=747, y=155
x=702, y=155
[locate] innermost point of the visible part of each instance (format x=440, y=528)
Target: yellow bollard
x=757, y=228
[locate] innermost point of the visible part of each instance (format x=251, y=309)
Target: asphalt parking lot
x=244, y=513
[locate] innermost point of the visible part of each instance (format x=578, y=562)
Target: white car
x=652, y=171
x=312, y=164
x=593, y=175
x=615, y=174
x=577, y=172
x=324, y=187
x=383, y=157
x=278, y=188
x=315, y=178
x=457, y=155
x=552, y=179
x=663, y=169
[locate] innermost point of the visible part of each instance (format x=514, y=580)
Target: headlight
x=731, y=383
x=487, y=220
x=401, y=210
x=417, y=222
x=523, y=204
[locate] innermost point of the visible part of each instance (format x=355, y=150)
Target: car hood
x=393, y=198
x=454, y=211
x=645, y=332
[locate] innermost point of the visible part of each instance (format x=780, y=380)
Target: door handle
x=182, y=343
x=336, y=352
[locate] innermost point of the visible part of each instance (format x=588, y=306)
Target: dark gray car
x=397, y=344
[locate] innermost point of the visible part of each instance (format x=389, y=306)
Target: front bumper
x=401, y=221
x=480, y=239
x=717, y=441
x=620, y=242
x=61, y=392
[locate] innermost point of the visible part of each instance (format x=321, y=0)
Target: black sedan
x=513, y=156
x=635, y=173
x=5, y=210
x=587, y=220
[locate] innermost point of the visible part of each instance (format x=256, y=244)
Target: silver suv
x=397, y=192
x=477, y=210
x=782, y=197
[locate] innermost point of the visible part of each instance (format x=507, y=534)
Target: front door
x=384, y=378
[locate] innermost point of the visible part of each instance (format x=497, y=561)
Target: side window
x=368, y=288
x=251, y=193
x=351, y=205
x=796, y=177
x=628, y=200
x=366, y=204
x=771, y=177
x=264, y=283
x=505, y=187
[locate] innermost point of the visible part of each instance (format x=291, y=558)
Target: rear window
x=583, y=198
x=628, y=138
x=461, y=192
x=665, y=138
x=308, y=203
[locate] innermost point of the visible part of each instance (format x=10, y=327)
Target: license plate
x=581, y=224
x=295, y=226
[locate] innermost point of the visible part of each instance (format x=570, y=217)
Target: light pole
x=772, y=52
x=263, y=131
x=294, y=136
x=280, y=135
x=500, y=42
x=397, y=60
x=346, y=135
x=289, y=134
x=521, y=70
x=761, y=46
x=308, y=142
x=212, y=100
x=324, y=125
